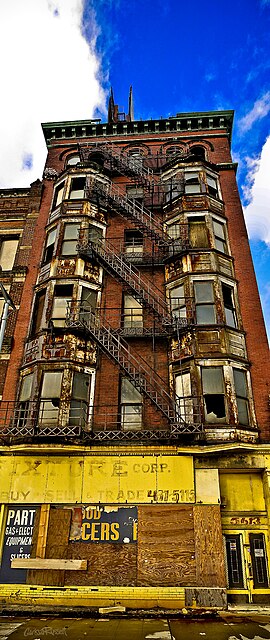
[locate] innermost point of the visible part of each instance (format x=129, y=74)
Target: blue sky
x=179, y=56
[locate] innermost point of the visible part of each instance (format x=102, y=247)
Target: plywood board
x=210, y=566
x=166, y=548
x=108, y=564
x=41, y=563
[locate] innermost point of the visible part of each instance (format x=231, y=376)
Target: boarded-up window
x=8, y=252
x=241, y=392
x=213, y=393
x=133, y=312
x=70, y=240
x=198, y=233
x=131, y=406
x=204, y=300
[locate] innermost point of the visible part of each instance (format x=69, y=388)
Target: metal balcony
x=37, y=421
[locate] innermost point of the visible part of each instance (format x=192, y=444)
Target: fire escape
x=142, y=376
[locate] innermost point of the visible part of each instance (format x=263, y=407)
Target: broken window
x=220, y=237
x=38, y=320
x=79, y=399
x=70, y=240
x=133, y=312
x=212, y=186
x=241, y=392
x=204, y=302
x=133, y=241
x=131, y=406
x=77, y=188
x=8, y=251
x=192, y=182
x=61, y=304
x=50, y=398
x=95, y=234
x=213, y=394
x=49, y=247
x=184, y=400
x=178, y=302
x=229, y=306
x=198, y=232
x=58, y=195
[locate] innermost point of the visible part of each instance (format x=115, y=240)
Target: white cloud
x=260, y=109
x=48, y=73
x=257, y=191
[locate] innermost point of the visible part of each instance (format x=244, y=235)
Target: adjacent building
x=135, y=454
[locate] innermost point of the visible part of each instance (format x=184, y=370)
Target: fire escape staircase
x=142, y=289
x=142, y=376
x=130, y=166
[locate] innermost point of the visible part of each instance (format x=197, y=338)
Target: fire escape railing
x=142, y=376
x=131, y=166
x=142, y=289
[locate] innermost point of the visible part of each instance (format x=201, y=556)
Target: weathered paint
x=207, y=486
x=242, y=492
x=93, y=479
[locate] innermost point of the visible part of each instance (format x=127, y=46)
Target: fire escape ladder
x=109, y=194
x=142, y=376
x=130, y=166
x=142, y=289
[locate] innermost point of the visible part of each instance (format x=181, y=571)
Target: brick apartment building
x=134, y=372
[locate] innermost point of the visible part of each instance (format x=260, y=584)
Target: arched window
x=173, y=151
x=198, y=151
x=72, y=160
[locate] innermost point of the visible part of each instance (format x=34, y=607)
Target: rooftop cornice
x=179, y=124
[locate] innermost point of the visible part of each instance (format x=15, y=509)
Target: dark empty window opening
x=38, y=318
x=198, y=151
x=229, y=307
x=79, y=399
x=213, y=394
x=133, y=241
x=77, y=188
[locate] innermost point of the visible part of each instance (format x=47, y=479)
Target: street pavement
x=226, y=627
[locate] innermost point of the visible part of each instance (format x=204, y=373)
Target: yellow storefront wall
x=107, y=479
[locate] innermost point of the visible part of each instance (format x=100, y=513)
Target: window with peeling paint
x=50, y=398
x=77, y=188
x=131, y=406
x=213, y=394
x=58, y=195
x=70, y=239
x=204, y=303
x=241, y=392
x=49, y=246
x=178, y=302
x=79, y=399
x=192, y=182
x=212, y=186
x=88, y=304
x=61, y=303
x=184, y=399
x=22, y=413
x=229, y=306
x=198, y=232
x=220, y=236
